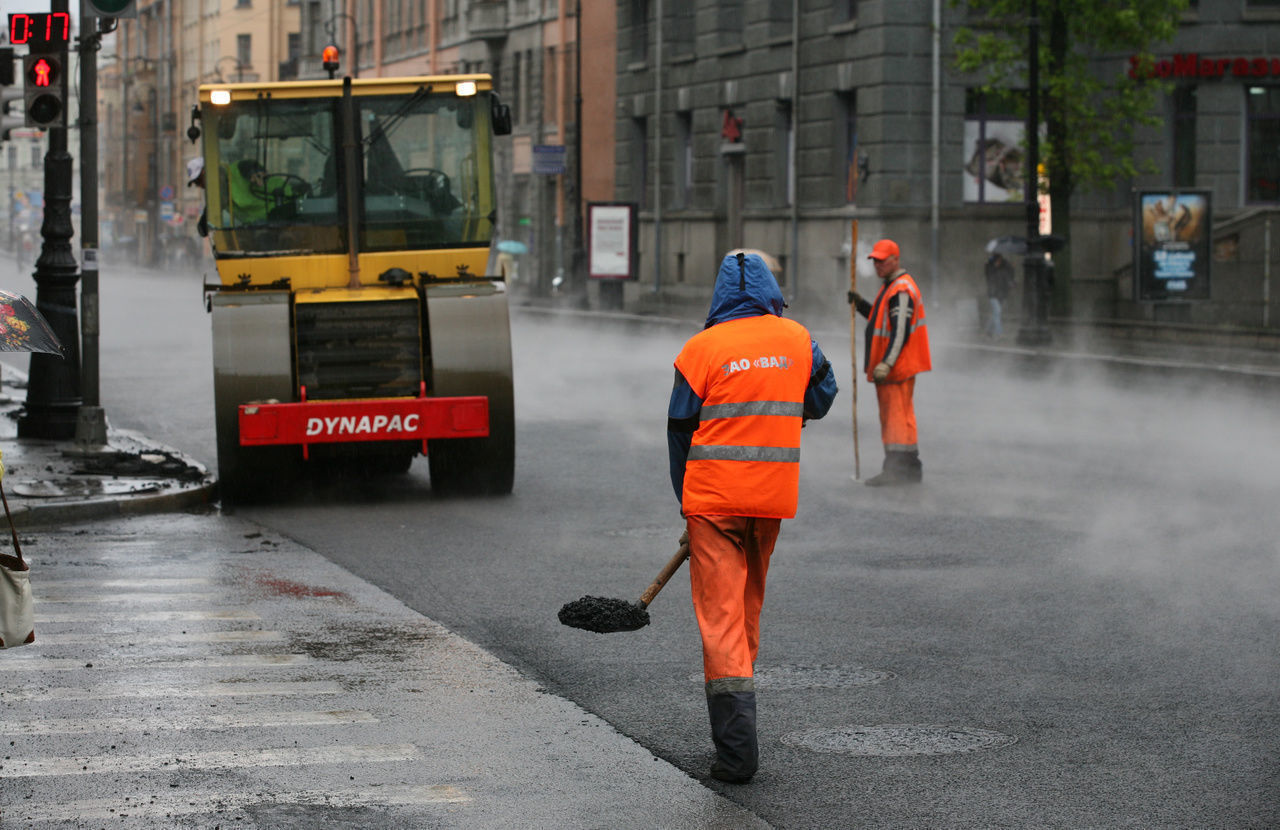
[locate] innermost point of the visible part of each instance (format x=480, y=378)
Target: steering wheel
x=299, y=185
x=436, y=188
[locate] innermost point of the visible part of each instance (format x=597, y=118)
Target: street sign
x=166, y=192
x=549, y=159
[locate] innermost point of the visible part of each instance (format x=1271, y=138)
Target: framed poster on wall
x=1171, y=245
x=612, y=234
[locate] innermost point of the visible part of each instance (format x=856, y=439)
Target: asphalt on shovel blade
x=603, y=615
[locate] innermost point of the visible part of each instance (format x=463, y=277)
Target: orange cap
x=884, y=249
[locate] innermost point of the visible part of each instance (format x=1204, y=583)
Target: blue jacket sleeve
x=682, y=419
x=821, y=391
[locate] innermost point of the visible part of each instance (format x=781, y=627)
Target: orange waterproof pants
x=897, y=415
x=728, y=562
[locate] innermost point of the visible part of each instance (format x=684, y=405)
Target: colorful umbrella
x=23, y=329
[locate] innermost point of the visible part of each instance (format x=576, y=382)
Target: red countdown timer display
x=42, y=31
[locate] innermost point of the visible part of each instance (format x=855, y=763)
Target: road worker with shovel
x=744, y=386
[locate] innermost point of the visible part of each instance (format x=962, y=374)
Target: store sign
x=1191, y=65
x=1171, y=231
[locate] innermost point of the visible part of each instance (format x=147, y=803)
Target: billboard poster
x=611, y=241
x=994, y=166
x=1171, y=232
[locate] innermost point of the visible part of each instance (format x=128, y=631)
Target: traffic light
x=8, y=94
x=44, y=87
x=114, y=8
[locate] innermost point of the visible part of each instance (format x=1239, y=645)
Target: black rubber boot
x=899, y=468
x=733, y=730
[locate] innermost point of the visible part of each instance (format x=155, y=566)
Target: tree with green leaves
x=1089, y=113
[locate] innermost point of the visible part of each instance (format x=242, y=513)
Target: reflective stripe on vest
x=705, y=452
x=739, y=410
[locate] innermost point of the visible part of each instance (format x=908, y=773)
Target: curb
x=28, y=513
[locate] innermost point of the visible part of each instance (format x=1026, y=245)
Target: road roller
x=359, y=315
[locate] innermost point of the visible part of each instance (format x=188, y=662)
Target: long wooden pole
x=853, y=342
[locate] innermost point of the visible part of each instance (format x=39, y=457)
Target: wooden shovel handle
x=667, y=571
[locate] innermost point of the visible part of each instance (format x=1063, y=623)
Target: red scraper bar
x=378, y=419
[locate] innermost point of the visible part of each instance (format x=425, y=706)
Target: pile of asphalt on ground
x=603, y=615
x=150, y=464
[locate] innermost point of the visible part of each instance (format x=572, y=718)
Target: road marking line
x=255, y=720
x=114, y=664
x=226, y=689
x=226, y=759
x=134, y=584
x=132, y=638
x=196, y=803
x=144, y=616
x=206, y=597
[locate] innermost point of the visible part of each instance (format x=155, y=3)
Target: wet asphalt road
x=1070, y=624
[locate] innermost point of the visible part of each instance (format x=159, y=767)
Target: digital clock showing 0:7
x=41, y=31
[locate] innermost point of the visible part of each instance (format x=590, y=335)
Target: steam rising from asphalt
x=1169, y=478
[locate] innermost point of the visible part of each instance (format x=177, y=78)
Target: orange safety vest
x=914, y=357
x=744, y=458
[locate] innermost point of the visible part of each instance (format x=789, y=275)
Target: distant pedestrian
x=999, y=282
x=897, y=349
x=195, y=176
x=744, y=387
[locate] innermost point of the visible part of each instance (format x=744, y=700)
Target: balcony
x=488, y=20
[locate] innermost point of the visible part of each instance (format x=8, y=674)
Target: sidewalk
x=56, y=482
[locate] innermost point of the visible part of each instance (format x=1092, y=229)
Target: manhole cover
x=898, y=740
x=814, y=677
x=84, y=488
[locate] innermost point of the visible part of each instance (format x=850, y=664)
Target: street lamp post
x=1034, y=330
x=355, y=39
x=53, y=385
x=239, y=68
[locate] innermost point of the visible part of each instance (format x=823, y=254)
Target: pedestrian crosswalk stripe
x=133, y=638
x=143, y=616
x=225, y=661
x=18, y=767
x=197, y=803
x=124, y=599
x=180, y=722
x=151, y=691
x=134, y=584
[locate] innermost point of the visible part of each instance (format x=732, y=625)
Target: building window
x=550, y=89
x=730, y=23
x=994, y=128
x=684, y=159
x=517, y=87
x=680, y=30
x=784, y=140
x=244, y=50
x=1184, y=136
x=640, y=161
x=1263, y=173
x=846, y=147
x=780, y=18
x=845, y=11
x=639, y=30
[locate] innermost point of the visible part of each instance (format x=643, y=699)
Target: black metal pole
x=53, y=387
x=1034, y=330
x=91, y=423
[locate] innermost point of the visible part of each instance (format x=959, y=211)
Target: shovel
x=605, y=615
